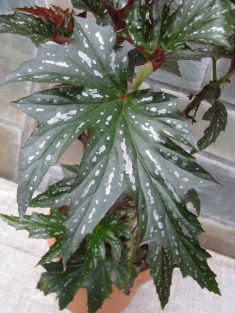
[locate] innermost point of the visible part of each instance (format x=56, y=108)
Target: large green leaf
x=79, y=64
x=217, y=116
x=39, y=225
x=91, y=61
x=135, y=154
x=203, y=21
x=179, y=24
x=139, y=143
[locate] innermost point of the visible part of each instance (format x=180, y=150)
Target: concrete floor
x=19, y=276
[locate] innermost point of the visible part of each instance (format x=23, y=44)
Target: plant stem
x=214, y=61
x=145, y=72
x=210, y=92
x=226, y=77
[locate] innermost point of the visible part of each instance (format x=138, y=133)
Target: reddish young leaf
x=62, y=21
x=54, y=14
x=118, y=14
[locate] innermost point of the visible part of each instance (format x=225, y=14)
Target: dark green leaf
x=198, y=51
x=109, y=232
x=95, y=6
x=64, y=283
x=136, y=147
x=217, y=116
x=56, y=194
x=26, y=25
x=203, y=21
x=142, y=25
x=180, y=248
x=96, y=265
x=99, y=288
x=121, y=275
x=53, y=252
x=139, y=142
x=39, y=225
x=86, y=63
x=181, y=23
x=140, y=159
x=161, y=268
x=193, y=198
x=58, y=128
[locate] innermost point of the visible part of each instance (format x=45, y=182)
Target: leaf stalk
x=144, y=73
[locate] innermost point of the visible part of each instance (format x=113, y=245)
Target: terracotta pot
x=117, y=302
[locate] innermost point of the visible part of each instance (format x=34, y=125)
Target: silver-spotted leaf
x=207, y=22
x=184, y=252
x=133, y=150
x=180, y=248
x=91, y=61
x=56, y=194
x=103, y=70
x=53, y=253
x=64, y=283
x=138, y=146
x=88, y=5
x=99, y=288
x=161, y=268
x=217, y=116
x=179, y=24
x=26, y=25
x=39, y=225
x=108, y=232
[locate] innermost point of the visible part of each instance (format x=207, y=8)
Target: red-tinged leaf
x=118, y=13
x=54, y=14
x=70, y=26
x=61, y=39
x=40, y=24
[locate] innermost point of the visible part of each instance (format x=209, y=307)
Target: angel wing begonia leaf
x=138, y=142
x=178, y=24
